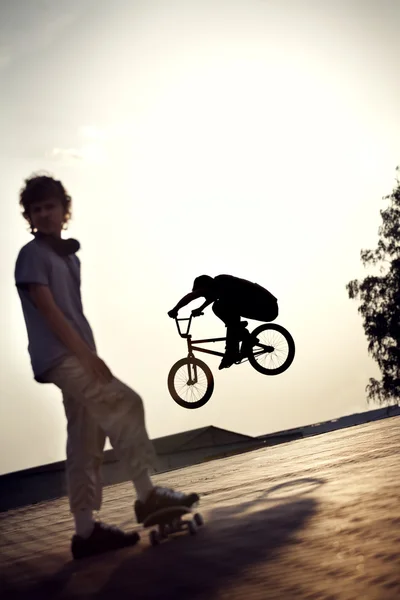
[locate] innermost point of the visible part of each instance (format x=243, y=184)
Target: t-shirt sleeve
x=31, y=267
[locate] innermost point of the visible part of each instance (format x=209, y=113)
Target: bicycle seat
x=244, y=323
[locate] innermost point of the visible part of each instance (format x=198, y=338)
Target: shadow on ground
x=233, y=539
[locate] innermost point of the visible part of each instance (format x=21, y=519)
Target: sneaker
x=245, y=348
x=228, y=360
x=163, y=498
x=102, y=539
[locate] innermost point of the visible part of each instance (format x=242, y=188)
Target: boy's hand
x=95, y=366
x=173, y=313
x=197, y=312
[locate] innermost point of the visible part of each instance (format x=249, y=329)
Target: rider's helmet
x=202, y=282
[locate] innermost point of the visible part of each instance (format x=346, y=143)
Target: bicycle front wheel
x=190, y=382
x=272, y=349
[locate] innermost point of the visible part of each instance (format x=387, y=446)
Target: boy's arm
x=185, y=300
x=44, y=301
x=204, y=305
x=188, y=298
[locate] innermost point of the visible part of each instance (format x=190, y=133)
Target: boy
x=63, y=352
x=232, y=298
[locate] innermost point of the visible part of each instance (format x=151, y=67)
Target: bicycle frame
x=252, y=346
x=191, y=347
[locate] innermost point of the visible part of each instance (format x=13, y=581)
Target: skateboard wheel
x=155, y=537
x=192, y=527
x=198, y=519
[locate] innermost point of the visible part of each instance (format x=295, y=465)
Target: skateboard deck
x=169, y=521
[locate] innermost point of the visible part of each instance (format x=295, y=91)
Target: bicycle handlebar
x=177, y=319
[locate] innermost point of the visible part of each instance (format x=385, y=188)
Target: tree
x=380, y=303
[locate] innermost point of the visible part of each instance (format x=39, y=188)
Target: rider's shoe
x=245, y=347
x=228, y=360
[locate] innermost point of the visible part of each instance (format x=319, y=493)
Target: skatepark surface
x=313, y=519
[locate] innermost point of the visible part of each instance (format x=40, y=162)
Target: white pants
x=95, y=411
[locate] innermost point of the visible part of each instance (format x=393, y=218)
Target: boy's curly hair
x=41, y=187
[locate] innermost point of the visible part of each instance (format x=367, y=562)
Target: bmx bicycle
x=269, y=348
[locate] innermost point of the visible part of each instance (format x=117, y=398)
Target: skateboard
x=169, y=521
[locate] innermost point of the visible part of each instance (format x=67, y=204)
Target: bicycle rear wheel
x=190, y=382
x=271, y=350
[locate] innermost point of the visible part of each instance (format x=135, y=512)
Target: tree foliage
x=380, y=303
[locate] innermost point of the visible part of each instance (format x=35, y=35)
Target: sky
x=254, y=138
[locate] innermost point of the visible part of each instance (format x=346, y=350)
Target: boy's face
x=47, y=216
